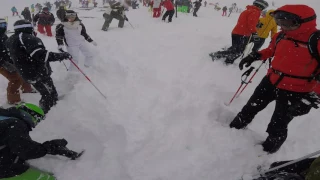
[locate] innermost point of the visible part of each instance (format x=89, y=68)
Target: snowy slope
x=164, y=117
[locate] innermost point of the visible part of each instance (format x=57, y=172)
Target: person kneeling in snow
x=73, y=33
x=115, y=10
x=16, y=145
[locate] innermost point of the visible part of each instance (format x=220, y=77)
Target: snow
x=164, y=117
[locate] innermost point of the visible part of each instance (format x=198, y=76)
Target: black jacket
x=16, y=146
x=44, y=18
x=61, y=14
x=26, y=14
x=30, y=57
x=197, y=4
x=60, y=35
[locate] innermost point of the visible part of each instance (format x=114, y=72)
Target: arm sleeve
x=21, y=144
x=36, y=17
x=84, y=33
x=4, y=56
x=34, y=47
x=60, y=34
x=52, y=19
x=253, y=20
x=269, y=51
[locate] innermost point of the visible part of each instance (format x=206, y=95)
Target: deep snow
x=164, y=117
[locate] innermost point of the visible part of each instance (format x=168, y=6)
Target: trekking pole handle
x=246, y=75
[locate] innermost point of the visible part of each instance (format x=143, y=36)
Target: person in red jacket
x=244, y=29
x=170, y=10
x=289, y=80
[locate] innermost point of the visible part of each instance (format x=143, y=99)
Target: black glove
x=247, y=61
x=125, y=18
x=53, y=147
x=59, y=56
x=312, y=99
x=255, y=37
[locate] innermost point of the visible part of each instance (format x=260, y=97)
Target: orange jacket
x=290, y=58
x=247, y=21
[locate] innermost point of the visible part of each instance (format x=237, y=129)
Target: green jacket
x=314, y=170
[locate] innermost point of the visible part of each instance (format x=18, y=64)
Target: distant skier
x=197, y=5
x=32, y=12
x=170, y=10
x=230, y=11
x=17, y=146
x=245, y=27
x=224, y=11
x=26, y=14
x=45, y=20
x=61, y=13
x=73, y=34
x=292, y=76
x=266, y=25
x=14, y=11
x=8, y=70
x=205, y=3
x=31, y=60
x=114, y=11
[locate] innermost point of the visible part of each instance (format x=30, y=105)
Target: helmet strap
x=308, y=19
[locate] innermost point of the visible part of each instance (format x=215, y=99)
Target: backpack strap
x=313, y=49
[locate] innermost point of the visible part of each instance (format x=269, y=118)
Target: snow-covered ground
x=164, y=117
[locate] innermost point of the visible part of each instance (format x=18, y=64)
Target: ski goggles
x=286, y=19
x=3, y=25
x=71, y=15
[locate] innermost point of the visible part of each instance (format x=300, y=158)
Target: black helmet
x=24, y=26
x=262, y=4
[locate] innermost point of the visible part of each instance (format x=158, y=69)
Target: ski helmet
x=34, y=111
x=23, y=26
x=3, y=26
x=262, y=4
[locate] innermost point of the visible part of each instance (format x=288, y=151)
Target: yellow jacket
x=267, y=24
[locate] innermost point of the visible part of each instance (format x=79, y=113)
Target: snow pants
x=288, y=106
x=14, y=84
x=74, y=50
x=156, y=12
x=195, y=12
x=13, y=13
x=168, y=13
x=108, y=19
x=224, y=13
x=32, y=174
x=43, y=29
x=48, y=92
x=239, y=43
x=258, y=44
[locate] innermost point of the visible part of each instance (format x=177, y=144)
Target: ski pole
x=243, y=81
x=87, y=78
x=286, y=164
x=251, y=78
x=65, y=66
x=131, y=25
x=246, y=47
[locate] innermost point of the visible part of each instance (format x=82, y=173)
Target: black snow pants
x=168, y=13
x=258, y=44
x=49, y=95
x=239, y=43
x=195, y=12
x=108, y=19
x=288, y=106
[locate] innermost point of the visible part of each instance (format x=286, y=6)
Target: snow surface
x=164, y=117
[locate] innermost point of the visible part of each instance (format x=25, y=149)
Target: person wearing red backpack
x=292, y=77
x=170, y=10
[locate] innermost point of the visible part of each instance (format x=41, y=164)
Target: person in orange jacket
x=244, y=29
x=291, y=79
x=266, y=25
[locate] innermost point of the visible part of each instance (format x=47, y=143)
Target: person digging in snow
x=170, y=10
x=116, y=11
x=31, y=60
x=244, y=29
x=8, y=70
x=16, y=145
x=73, y=34
x=292, y=77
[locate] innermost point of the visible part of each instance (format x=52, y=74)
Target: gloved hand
x=126, y=18
x=94, y=43
x=312, y=99
x=247, y=61
x=59, y=56
x=60, y=48
x=54, y=146
x=255, y=37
